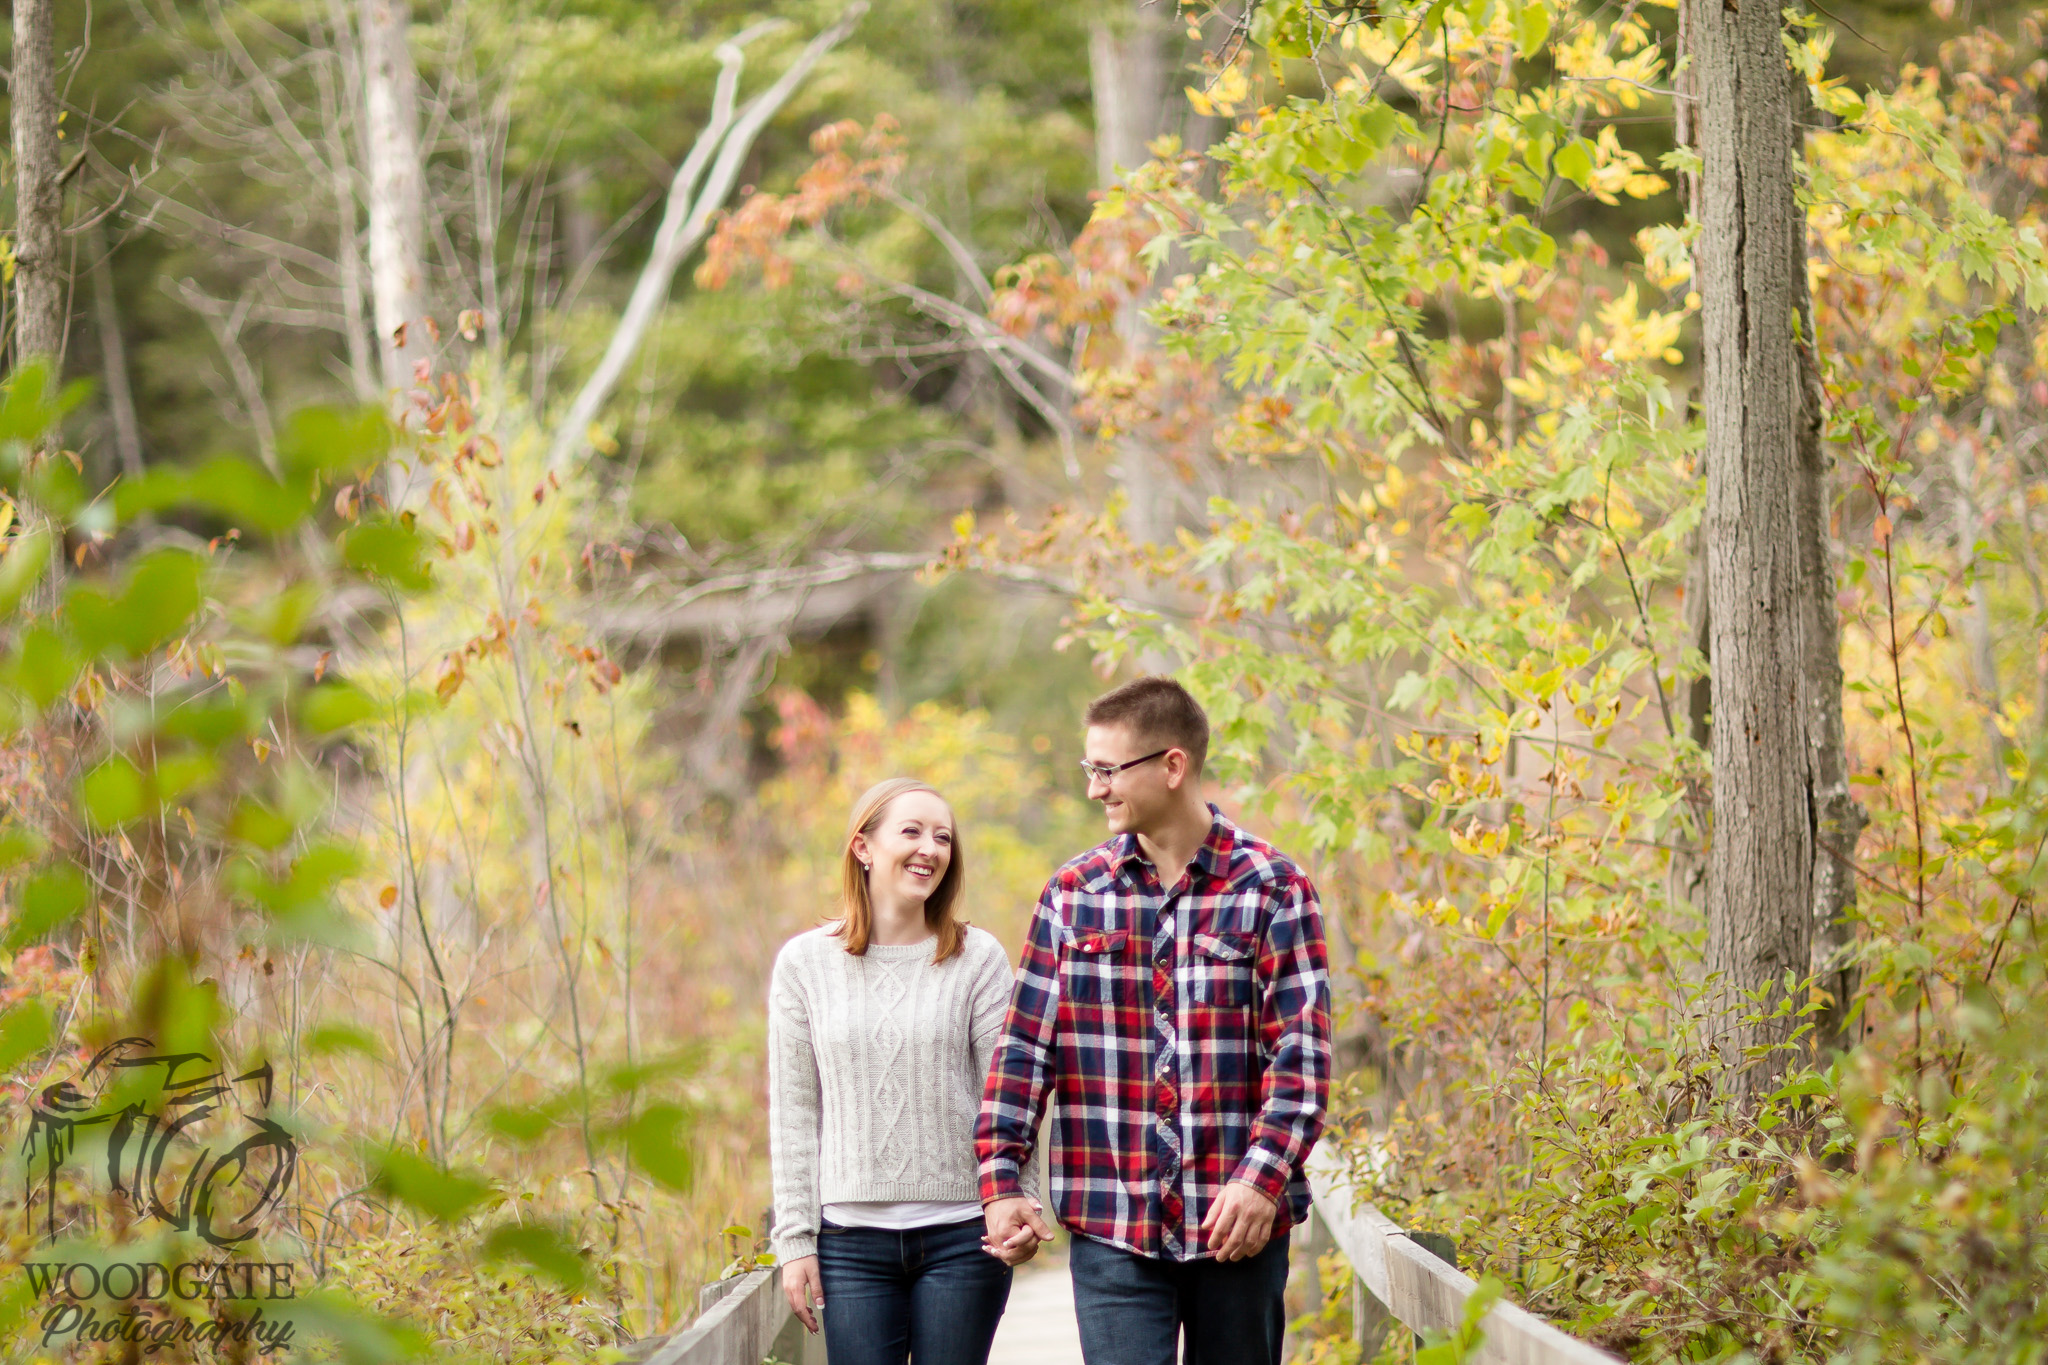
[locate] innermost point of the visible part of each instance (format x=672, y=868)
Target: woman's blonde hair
x=857, y=911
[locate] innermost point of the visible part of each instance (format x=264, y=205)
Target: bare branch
x=688, y=216
x=963, y=259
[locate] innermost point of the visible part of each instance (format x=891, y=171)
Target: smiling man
x=1175, y=998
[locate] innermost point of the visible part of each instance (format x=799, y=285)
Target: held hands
x=804, y=1290
x=1015, y=1228
x=1240, y=1222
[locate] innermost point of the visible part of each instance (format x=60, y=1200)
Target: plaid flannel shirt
x=1185, y=1033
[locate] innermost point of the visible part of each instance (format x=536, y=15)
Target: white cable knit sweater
x=875, y=1070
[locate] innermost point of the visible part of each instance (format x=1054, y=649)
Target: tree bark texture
x=1837, y=818
x=397, y=185
x=39, y=190
x=1762, y=574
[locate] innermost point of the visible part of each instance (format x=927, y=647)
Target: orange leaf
x=388, y=897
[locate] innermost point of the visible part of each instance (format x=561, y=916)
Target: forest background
x=1346, y=359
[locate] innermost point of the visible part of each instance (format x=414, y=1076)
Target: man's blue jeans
x=1133, y=1309
x=931, y=1294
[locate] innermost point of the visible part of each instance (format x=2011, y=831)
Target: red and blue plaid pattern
x=1185, y=1033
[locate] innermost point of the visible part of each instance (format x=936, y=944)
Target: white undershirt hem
x=898, y=1215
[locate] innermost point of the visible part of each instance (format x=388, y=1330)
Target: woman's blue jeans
x=926, y=1294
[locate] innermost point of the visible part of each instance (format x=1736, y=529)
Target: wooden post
x=1441, y=1245
x=1369, y=1319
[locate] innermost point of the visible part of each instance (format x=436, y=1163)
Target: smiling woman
x=881, y=1027
x=902, y=870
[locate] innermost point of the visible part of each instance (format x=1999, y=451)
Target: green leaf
x=257, y=824
x=390, y=550
x=28, y=405
x=1532, y=28
x=443, y=1195
x=25, y=1030
x=26, y=561
x=113, y=793
x=544, y=1248
x=332, y=1038
x=327, y=440
x=156, y=604
x=50, y=898
x=237, y=489
x=362, y=1337
x=1373, y=126
x=19, y=845
x=162, y=596
x=45, y=665
x=1574, y=161
x=525, y=1123
x=178, y=774
x=211, y=721
x=282, y=617
x=334, y=706
x=655, y=1138
x=180, y=1013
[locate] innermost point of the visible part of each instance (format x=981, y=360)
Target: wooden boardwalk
x=1399, y=1284
x=1038, y=1326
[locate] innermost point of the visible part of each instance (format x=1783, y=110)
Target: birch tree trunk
x=39, y=191
x=1760, y=575
x=1127, y=70
x=397, y=189
x=1127, y=81
x=715, y=161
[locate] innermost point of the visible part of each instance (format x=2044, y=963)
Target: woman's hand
x=1014, y=1230
x=804, y=1290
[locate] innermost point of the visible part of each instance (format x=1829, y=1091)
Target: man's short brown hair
x=1159, y=711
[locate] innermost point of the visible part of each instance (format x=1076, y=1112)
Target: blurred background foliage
x=477, y=792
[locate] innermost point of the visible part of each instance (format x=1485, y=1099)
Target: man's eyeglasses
x=1103, y=772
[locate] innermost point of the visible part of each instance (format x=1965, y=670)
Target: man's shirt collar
x=1213, y=856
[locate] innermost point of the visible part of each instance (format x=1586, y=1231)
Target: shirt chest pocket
x=1099, y=967
x=1220, y=970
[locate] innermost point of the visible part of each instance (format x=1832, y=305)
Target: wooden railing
x=741, y=1321
x=1399, y=1280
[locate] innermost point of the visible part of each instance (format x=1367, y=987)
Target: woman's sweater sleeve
x=992, y=991
x=793, y=1114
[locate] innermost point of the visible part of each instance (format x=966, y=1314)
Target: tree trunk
x=39, y=191
x=1837, y=818
x=397, y=182
x=114, y=359
x=1127, y=79
x=1760, y=578
x=1971, y=531
x=1127, y=70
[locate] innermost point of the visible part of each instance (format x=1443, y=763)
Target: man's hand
x=803, y=1288
x=1015, y=1228
x=1240, y=1222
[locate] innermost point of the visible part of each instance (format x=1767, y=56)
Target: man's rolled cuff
x=1001, y=1178
x=1264, y=1172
